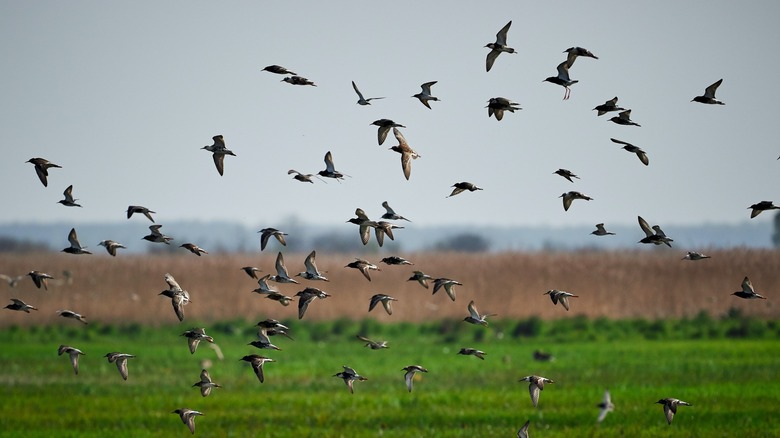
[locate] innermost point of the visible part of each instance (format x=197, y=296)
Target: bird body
x=425, y=96
x=330, y=170
x=194, y=336
x=569, y=197
x=709, y=95
x=278, y=69
x=42, y=167
x=608, y=106
x=298, y=80
x=195, y=249
x=373, y=344
x=693, y=255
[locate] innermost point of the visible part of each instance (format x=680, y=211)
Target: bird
x=653, y=235
x=605, y=406
x=187, y=417
x=383, y=228
x=111, y=246
x=311, y=273
x=257, y=364
x=448, y=286
x=390, y=214
x=179, y=297
x=574, y=52
x=498, y=47
x=20, y=306
x=624, y=118
x=364, y=266
x=268, y=324
x=474, y=316
x=560, y=296
x=263, y=287
x=306, y=296
x=386, y=300
x=472, y=352
x=206, y=384
x=263, y=341
x=747, y=291
x=395, y=260
x=569, y=197
x=608, y=106
x=601, y=231
x=670, y=407
x=384, y=127
x=42, y=167
x=194, y=336
x=761, y=206
x=535, y=386
x=74, y=354
x=278, y=69
x=284, y=300
x=421, y=277
x=303, y=177
x=523, y=431
x=195, y=249
x=266, y=234
x=562, y=79
x=349, y=375
x=251, y=271
x=709, y=95
x=330, y=171
x=69, y=201
x=72, y=315
x=75, y=247
x=364, y=223
x=372, y=344
x=121, y=362
x=39, y=278
x=407, y=153
x=566, y=174
x=497, y=105
x=361, y=99
x=631, y=148
x=138, y=209
x=463, y=186
x=693, y=255
x=281, y=272
x=156, y=236
x=12, y=281
x=218, y=152
x=409, y=375
x=298, y=80
x=425, y=96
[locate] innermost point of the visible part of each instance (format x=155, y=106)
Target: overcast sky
x=123, y=95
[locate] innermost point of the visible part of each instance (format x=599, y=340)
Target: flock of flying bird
x=496, y=108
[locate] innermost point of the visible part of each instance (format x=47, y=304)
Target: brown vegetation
x=648, y=284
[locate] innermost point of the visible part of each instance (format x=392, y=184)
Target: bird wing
x=374, y=300
x=501, y=35
x=473, y=310
x=533, y=389
x=567, y=200
x=382, y=133
x=388, y=305
x=563, y=71
x=448, y=287
x=614, y=140
x=281, y=270
x=710, y=91
x=645, y=227
x=258, y=367
x=564, y=301
x=178, y=306
x=406, y=164
x=121, y=364
x=172, y=283
x=643, y=157
x=74, y=359
x=329, y=162
x=669, y=411
x=73, y=238
x=311, y=266
x=400, y=137
x=69, y=193
x=303, y=304
x=426, y=87
x=491, y=58
x=747, y=286
x=409, y=377
x=219, y=162
x=389, y=210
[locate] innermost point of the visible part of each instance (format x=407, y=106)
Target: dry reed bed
x=648, y=284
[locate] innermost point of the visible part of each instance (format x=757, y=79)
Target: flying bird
x=390, y=214
x=307, y=177
x=472, y=352
x=111, y=246
x=218, y=152
x=251, y=271
x=156, y=236
x=395, y=260
x=569, y=197
x=330, y=171
x=474, y=316
x=497, y=105
x=605, y=407
x=257, y=364
x=121, y=362
x=574, y=52
x=195, y=249
x=562, y=79
x=566, y=174
x=42, y=167
x=349, y=376
x=709, y=95
x=75, y=247
x=693, y=255
x=747, y=291
x=383, y=228
x=278, y=69
x=311, y=273
x=654, y=235
x=386, y=300
x=39, y=278
x=535, y=386
x=187, y=417
x=634, y=149
x=306, y=296
x=373, y=344
x=74, y=354
x=463, y=186
x=179, y=297
x=298, y=80
x=498, y=47
x=447, y=284
x=263, y=342
x=409, y=375
x=364, y=266
x=72, y=315
x=12, y=281
x=761, y=206
x=624, y=118
x=407, y=153
x=266, y=234
x=69, y=201
x=384, y=127
x=425, y=96
x=560, y=296
x=364, y=223
x=421, y=277
x=194, y=336
x=670, y=407
x=523, y=431
x=601, y=231
x=206, y=384
x=281, y=272
x=20, y=306
x=608, y=106
x=361, y=99
x=138, y=209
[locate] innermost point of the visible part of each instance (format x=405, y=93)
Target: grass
x=731, y=381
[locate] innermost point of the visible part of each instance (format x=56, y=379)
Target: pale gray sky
x=123, y=94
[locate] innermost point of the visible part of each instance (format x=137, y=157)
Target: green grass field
x=732, y=382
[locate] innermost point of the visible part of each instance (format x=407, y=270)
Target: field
x=646, y=326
